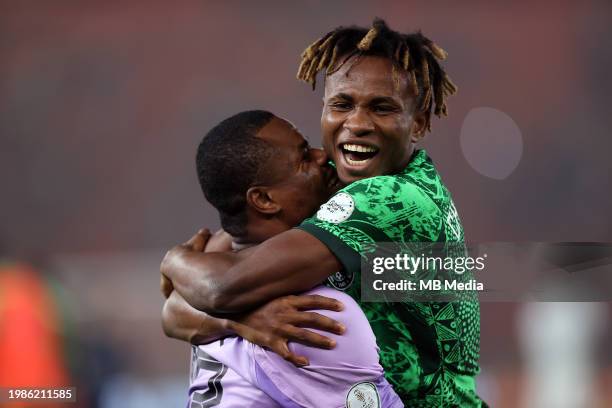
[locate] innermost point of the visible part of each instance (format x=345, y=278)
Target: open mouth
x=358, y=154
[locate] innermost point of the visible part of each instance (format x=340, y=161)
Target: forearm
x=197, y=276
x=216, y=283
x=183, y=322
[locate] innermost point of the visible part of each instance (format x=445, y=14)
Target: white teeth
x=353, y=162
x=358, y=148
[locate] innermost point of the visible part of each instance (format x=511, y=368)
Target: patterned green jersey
x=429, y=350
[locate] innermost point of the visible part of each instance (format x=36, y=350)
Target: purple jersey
x=214, y=384
x=350, y=375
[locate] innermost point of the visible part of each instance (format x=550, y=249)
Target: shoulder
x=383, y=190
x=365, y=195
x=351, y=307
x=375, y=197
x=379, y=185
x=356, y=346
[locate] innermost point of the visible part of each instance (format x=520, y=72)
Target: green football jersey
x=429, y=350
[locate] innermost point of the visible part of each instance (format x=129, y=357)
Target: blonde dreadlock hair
x=413, y=53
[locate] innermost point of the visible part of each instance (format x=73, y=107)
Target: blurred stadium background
x=102, y=104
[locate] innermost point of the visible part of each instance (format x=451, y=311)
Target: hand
x=166, y=286
x=282, y=320
x=199, y=241
x=220, y=241
x=195, y=243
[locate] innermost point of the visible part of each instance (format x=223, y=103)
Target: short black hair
x=412, y=53
x=229, y=160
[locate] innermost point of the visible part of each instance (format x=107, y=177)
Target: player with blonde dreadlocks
x=429, y=350
x=380, y=89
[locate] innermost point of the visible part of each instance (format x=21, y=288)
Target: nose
x=359, y=122
x=319, y=156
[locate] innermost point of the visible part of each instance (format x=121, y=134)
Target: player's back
x=219, y=385
x=351, y=372
x=332, y=373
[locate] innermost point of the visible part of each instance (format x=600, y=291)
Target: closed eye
x=340, y=106
x=384, y=108
x=306, y=152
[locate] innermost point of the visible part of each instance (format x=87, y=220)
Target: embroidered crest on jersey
x=339, y=208
x=363, y=395
x=341, y=280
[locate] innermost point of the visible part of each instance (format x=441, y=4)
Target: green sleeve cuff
x=348, y=257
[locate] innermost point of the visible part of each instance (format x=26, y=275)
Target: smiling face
x=369, y=124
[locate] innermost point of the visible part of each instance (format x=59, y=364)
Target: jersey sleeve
x=377, y=209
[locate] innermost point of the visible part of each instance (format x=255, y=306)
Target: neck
x=258, y=231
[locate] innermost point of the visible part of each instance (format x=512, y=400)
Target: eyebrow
x=342, y=95
x=383, y=99
x=375, y=100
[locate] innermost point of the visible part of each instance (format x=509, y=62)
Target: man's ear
x=260, y=200
x=419, y=126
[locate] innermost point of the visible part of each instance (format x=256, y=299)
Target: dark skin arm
x=217, y=283
x=182, y=322
x=273, y=325
x=179, y=319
